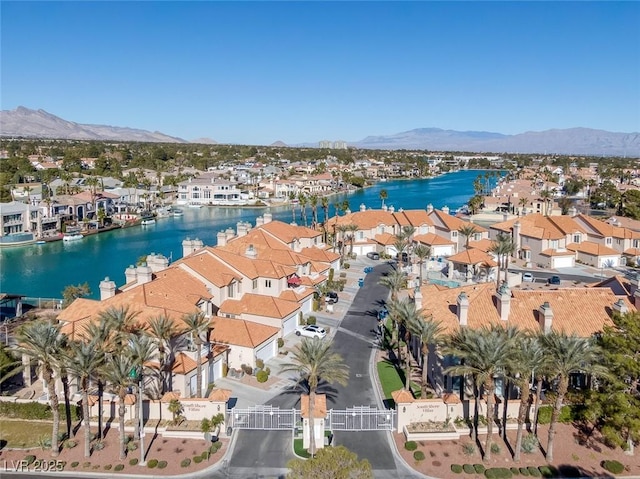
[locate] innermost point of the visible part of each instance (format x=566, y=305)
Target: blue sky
x=257, y=72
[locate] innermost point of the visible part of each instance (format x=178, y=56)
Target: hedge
x=411, y=445
x=614, y=467
x=479, y=468
x=457, y=468
x=498, y=473
x=534, y=471
x=36, y=410
x=468, y=468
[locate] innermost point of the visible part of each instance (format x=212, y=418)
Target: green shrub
x=30, y=459
x=197, y=459
x=418, y=455
x=614, y=467
x=495, y=448
x=311, y=320
x=529, y=443
x=75, y=464
x=152, y=463
x=107, y=467
x=119, y=467
x=468, y=468
x=411, y=445
x=548, y=471
x=133, y=462
x=262, y=376
x=162, y=464
x=468, y=449
x=479, y=468
x=86, y=464
x=457, y=468
x=544, y=414
x=70, y=444
x=534, y=471
x=515, y=471
x=131, y=446
x=99, y=446
x=498, y=473
x=35, y=410
x=259, y=363
x=524, y=471
x=185, y=462
x=280, y=342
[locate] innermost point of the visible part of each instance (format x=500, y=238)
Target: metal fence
x=264, y=417
x=360, y=418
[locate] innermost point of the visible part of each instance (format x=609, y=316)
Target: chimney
x=517, y=227
x=229, y=233
x=130, y=274
x=143, y=274
x=445, y=210
x=187, y=247
x=259, y=221
x=573, y=211
x=157, y=262
x=620, y=306
x=504, y=301
x=267, y=218
x=429, y=208
x=545, y=315
x=505, y=217
x=197, y=244
x=385, y=208
x=347, y=211
x=463, y=308
x=417, y=298
x=222, y=238
x=391, y=209
x=363, y=207
x=107, y=289
x=241, y=229
x=251, y=252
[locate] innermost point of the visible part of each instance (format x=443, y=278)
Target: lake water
x=45, y=270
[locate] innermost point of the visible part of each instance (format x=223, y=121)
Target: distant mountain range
x=24, y=122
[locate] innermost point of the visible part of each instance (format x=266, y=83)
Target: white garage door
x=563, y=262
x=267, y=351
x=289, y=326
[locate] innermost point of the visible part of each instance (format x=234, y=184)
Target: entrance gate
x=360, y=418
x=263, y=417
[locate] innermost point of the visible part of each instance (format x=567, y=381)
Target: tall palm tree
x=86, y=360
x=422, y=252
x=302, y=198
x=198, y=326
x=342, y=229
x=142, y=350
x=484, y=354
x=401, y=312
x=43, y=342
x=503, y=247
x=567, y=355
x=546, y=196
x=314, y=362
x=324, y=201
x=528, y=359
x=351, y=230
x=313, y=201
x=117, y=371
x=292, y=196
x=383, y=196
x=522, y=202
x=467, y=231
x=430, y=332
x=396, y=281
x=162, y=330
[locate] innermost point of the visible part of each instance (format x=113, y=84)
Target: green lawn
x=301, y=451
x=392, y=380
x=23, y=434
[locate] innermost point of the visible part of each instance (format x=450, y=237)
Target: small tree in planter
x=176, y=409
x=213, y=424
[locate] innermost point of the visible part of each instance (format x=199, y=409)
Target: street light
x=140, y=388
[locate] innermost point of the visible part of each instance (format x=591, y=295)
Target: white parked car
x=311, y=331
x=527, y=277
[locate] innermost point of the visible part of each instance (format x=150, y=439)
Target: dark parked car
x=331, y=297
x=373, y=255
x=554, y=279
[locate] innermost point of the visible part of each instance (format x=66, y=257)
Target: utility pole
x=140, y=387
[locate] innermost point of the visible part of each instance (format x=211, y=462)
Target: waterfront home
x=448, y=226
x=208, y=189
x=540, y=310
x=30, y=193
x=85, y=204
x=18, y=222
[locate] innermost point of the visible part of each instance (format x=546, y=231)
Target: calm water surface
x=45, y=270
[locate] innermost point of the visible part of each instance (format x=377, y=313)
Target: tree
x=422, y=252
x=467, y=231
x=503, y=247
x=197, y=325
x=396, y=281
x=330, y=463
x=142, y=351
x=401, y=312
x=314, y=362
x=547, y=197
x=430, y=332
x=43, y=342
x=176, y=410
x=484, y=353
x=73, y=292
x=383, y=196
x=302, y=198
x=162, y=329
x=118, y=373
x=313, y=201
x=567, y=355
x=85, y=361
x=324, y=201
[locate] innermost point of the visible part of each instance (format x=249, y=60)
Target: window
x=360, y=235
x=267, y=283
x=607, y=241
x=255, y=284
x=231, y=290
x=576, y=238
x=554, y=244
x=454, y=234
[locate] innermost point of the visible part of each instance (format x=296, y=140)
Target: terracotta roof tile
x=473, y=256
x=260, y=305
x=593, y=249
x=220, y=395
x=238, y=332
x=402, y=396
x=432, y=239
x=319, y=406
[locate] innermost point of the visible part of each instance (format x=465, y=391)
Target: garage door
x=289, y=326
x=563, y=262
x=267, y=351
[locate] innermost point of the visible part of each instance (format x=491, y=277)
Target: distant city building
x=334, y=145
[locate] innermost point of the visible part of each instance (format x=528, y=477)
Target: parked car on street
x=311, y=331
x=555, y=279
x=373, y=255
x=527, y=277
x=331, y=297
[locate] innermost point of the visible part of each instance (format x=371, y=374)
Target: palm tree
x=324, y=201
x=142, y=351
x=120, y=322
x=396, y=281
x=522, y=202
x=503, y=247
x=528, y=358
x=351, y=229
x=43, y=342
x=198, y=326
x=467, y=231
x=118, y=372
x=85, y=361
x=484, y=354
x=342, y=229
x=162, y=330
x=314, y=362
x=567, y=355
x=422, y=252
x=313, y=201
x=383, y=196
x=546, y=196
x=292, y=196
x=302, y=198
x=430, y=332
